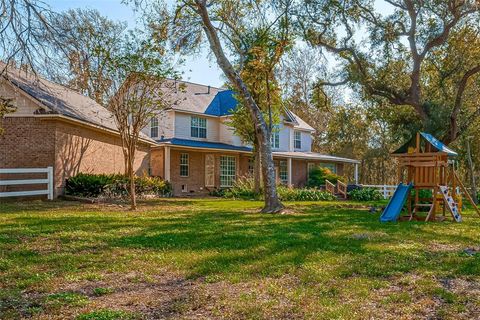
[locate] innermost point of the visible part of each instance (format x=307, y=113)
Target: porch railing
x=342, y=189
x=329, y=187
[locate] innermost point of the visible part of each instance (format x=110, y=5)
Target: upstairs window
x=154, y=127
x=184, y=165
x=297, y=140
x=275, y=137
x=199, y=127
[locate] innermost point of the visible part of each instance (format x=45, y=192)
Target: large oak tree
x=422, y=54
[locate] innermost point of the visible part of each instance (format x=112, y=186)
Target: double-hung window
x=154, y=127
x=283, y=171
x=275, y=137
x=184, y=165
x=297, y=140
x=228, y=170
x=198, y=127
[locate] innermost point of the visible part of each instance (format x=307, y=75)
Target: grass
x=194, y=259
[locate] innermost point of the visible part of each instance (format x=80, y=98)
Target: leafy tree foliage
x=403, y=57
x=140, y=90
x=87, y=38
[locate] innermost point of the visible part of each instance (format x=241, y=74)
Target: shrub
x=120, y=187
x=365, y=194
x=217, y=192
x=115, y=186
x=243, y=188
x=88, y=185
x=305, y=194
x=318, y=175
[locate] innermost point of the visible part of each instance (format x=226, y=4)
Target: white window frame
x=275, y=137
x=297, y=138
x=228, y=171
x=283, y=171
x=154, y=126
x=184, y=163
x=198, y=125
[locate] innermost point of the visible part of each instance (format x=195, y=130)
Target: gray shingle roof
x=61, y=100
x=198, y=98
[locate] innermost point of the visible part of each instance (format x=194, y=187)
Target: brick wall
x=299, y=173
x=195, y=182
x=33, y=142
x=81, y=149
x=157, y=162
x=26, y=143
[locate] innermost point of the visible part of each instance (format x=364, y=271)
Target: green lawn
x=194, y=259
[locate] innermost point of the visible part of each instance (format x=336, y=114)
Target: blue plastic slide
x=394, y=207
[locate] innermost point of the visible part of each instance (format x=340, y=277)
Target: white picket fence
x=48, y=181
x=386, y=190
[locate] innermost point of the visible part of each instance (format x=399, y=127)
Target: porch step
x=340, y=196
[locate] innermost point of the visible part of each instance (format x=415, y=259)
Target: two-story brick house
x=189, y=144
x=197, y=150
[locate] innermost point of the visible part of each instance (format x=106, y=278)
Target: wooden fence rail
x=48, y=181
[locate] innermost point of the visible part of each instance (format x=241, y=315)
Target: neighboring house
x=189, y=144
x=197, y=150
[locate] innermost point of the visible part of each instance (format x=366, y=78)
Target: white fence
x=48, y=181
x=385, y=189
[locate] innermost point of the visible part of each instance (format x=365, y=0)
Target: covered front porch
x=198, y=168
x=293, y=167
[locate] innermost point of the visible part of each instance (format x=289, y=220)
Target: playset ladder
x=452, y=205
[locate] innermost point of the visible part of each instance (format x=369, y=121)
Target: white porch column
x=167, y=164
x=289, y=170
x=356, y=173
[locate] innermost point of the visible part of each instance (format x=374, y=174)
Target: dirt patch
x=435, y=246
x=151, y=297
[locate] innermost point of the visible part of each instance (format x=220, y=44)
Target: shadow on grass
x=206, y=239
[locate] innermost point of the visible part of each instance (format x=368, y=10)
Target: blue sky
x=198, y=69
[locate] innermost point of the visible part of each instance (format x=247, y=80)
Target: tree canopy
x=405, y=57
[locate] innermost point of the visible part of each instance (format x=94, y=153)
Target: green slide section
x=394, y=207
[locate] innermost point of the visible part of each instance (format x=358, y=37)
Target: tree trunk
x=133, y=195
x=256, y=171
x=272, y=203
x=131, y=175
x=473, y=183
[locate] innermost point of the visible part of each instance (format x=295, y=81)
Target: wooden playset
x=427, y=164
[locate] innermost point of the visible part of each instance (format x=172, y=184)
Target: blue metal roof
x=223, y=104
x=205, y=144
x=438, y=144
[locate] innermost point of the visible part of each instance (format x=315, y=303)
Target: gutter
x=341, y=160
